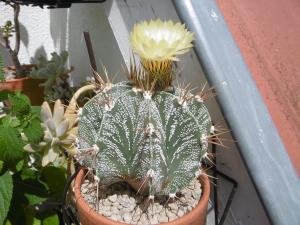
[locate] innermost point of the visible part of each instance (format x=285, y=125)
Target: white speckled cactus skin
x=154, y=140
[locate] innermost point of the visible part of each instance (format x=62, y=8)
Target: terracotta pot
x=26, y=85
x=90, y=217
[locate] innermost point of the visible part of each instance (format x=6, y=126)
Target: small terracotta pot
x=88, y=216
x=26, y=85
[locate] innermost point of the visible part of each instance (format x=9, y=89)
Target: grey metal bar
x=260, y=145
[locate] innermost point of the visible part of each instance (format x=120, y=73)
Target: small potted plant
x=15, y=77
x=54, y=75
x=142, y=143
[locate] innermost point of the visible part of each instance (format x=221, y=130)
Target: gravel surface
x=120, y=202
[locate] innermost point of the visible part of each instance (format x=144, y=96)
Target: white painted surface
x=44, y=31
x=35, y=30
x=109, y=25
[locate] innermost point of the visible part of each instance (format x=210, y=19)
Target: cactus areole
x=147, y=132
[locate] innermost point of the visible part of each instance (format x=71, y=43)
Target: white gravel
x=119, y=202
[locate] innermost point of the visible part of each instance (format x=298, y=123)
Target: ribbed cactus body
x=151, y=140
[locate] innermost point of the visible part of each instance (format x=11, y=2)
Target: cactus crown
x=146, y=132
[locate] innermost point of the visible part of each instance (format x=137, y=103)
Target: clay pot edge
x=83, y=206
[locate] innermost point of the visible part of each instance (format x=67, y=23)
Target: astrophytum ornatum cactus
x=152, y=140
x=147, y=132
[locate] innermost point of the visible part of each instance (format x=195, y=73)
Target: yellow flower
x=160, y=40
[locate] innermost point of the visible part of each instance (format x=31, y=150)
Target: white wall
x=35, y=31
x=44, y=31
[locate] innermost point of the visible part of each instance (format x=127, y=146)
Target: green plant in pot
x=54, y=75
x=15, y=77
x=36, y=149
x=147, y=136
x=57, y=147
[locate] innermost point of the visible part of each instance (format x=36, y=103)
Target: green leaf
x=36, y=221
x=26, y=191
x=20, y=104
x=36, y=110
x=28, y=174
x=11, y=145
x=10, y=121
x=6, y=190
x=34, y=131
x=51, y=220
x=8, y=222
x=55, y=178
x=20, y=165
x=1, y=165
x=29, y=214
x=4, y=95
x=34, y=199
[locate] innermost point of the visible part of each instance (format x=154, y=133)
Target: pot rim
x=83, y=205
x=16, y=80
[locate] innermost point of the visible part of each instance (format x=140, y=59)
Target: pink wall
x=268, y=34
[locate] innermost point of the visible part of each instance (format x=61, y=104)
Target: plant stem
x=6, y=44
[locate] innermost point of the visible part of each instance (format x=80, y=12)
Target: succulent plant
x=152, y=136
x=159, y=138
x=56, y=76
x=60, y=131
x=59, y=135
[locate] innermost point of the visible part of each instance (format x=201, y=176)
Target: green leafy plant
x=56, y=75
x=148, y=132
x=29, y=192
x=6, y=187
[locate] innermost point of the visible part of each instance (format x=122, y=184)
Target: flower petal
x=58, y=112
x=62, y=128
x=45, y=112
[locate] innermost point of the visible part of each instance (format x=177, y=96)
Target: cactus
x=158, y=138
x=56, y=75
x=151, y=136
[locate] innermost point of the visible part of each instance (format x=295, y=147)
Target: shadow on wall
x=67, y=26
x=38, y=53
x=24, y=35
